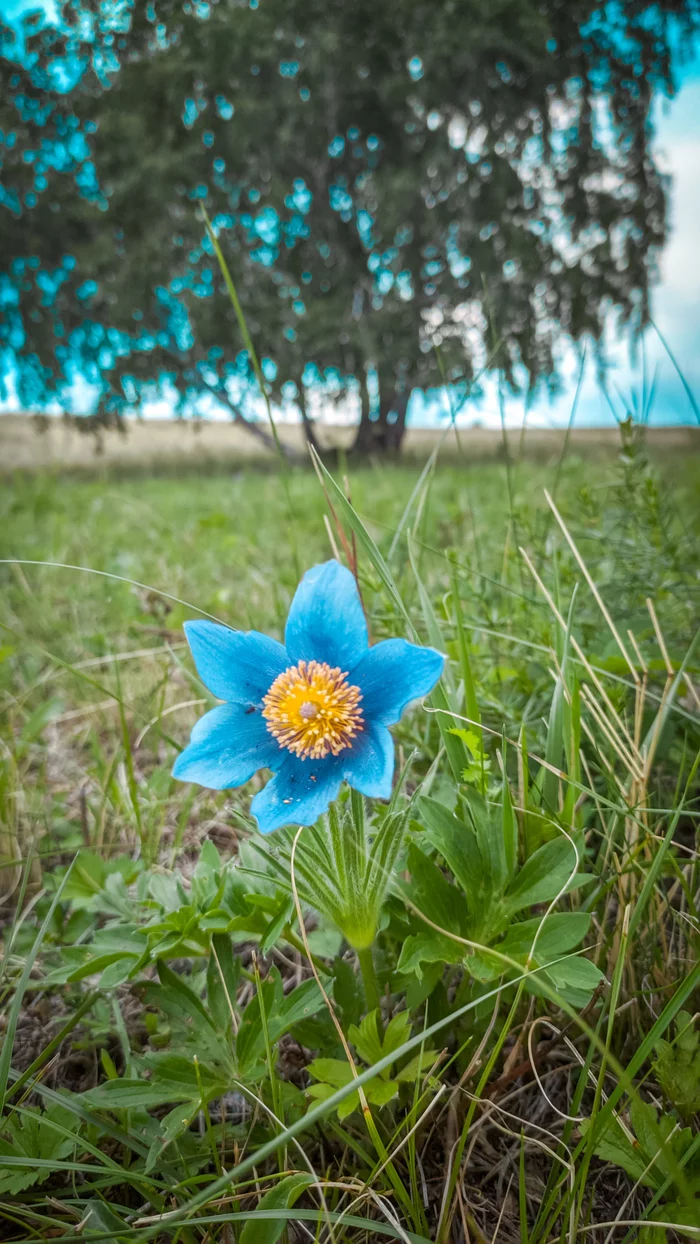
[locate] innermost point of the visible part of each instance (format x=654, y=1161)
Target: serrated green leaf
x=29, y=1136
x=335, y=1071
x=420, y=949
x=366, y=1038
x=397, y=1032
x=678, y=1067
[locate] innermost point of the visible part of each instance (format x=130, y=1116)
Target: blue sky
x=675, y=304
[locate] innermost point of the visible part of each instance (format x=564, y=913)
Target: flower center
x=312, y=710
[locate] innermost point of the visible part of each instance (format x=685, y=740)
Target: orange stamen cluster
x=312, y=710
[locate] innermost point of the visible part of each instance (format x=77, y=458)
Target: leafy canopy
x=470, y=176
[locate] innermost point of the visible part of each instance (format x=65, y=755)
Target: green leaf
x=215, y=921
x=173, y=1077
x=347, y=992
x=397, y=1032
x=167, y=891
x=284, y=1195
x=209, y=858
x=366, y=1038
x=30, y=1135
x=278, y=922
x=681, y=1215
x=350, y=1105
x=190, y=1022
x=335, y=1071
x=223, y=975
x=371, y=1044
x=421, y=1062
x=678, y=1066
x=618, y=1147
x=556, y=934
x=173, y=1124
x=433, y=894
x=650, y=1149
x=108, y=1065
x=322, y=1091
x=576, y=980
x=100, y=1219
x=489, y=830
x=118, y=972
x=509, y=827
x=378, y=1093
x=543, y=876
x=383, y=854
x=424, y=948
x=282, y=1014
x=418, y=988
x=132, y=1094
x=91, y=964
x=250, y=1042
x=296, y=1006
x=458, y=846
x=470, y=738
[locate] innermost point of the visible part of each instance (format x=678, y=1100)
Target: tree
x=403, y=193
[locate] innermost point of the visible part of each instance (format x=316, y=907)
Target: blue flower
x=314, y=710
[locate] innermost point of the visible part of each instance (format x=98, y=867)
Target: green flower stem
x=369, y=978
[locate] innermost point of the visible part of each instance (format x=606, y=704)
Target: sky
x=630, y=368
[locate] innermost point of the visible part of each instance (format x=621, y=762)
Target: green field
x=587, y=728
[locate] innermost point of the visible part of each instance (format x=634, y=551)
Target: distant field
x=26, y=444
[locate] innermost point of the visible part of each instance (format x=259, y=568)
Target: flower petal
x=298, y=794
x=326, y=622
x=238, y=666
x=301, y=790
x=369, y=763
x=392, y=674
x=228, y=745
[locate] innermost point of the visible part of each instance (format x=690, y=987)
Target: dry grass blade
x=591, y=583
x=579, y=651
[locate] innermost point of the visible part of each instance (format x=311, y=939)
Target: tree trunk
x=384, y=433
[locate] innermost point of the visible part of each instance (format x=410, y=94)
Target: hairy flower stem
x=369, y=979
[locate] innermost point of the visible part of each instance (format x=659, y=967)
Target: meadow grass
x=543, y=1112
